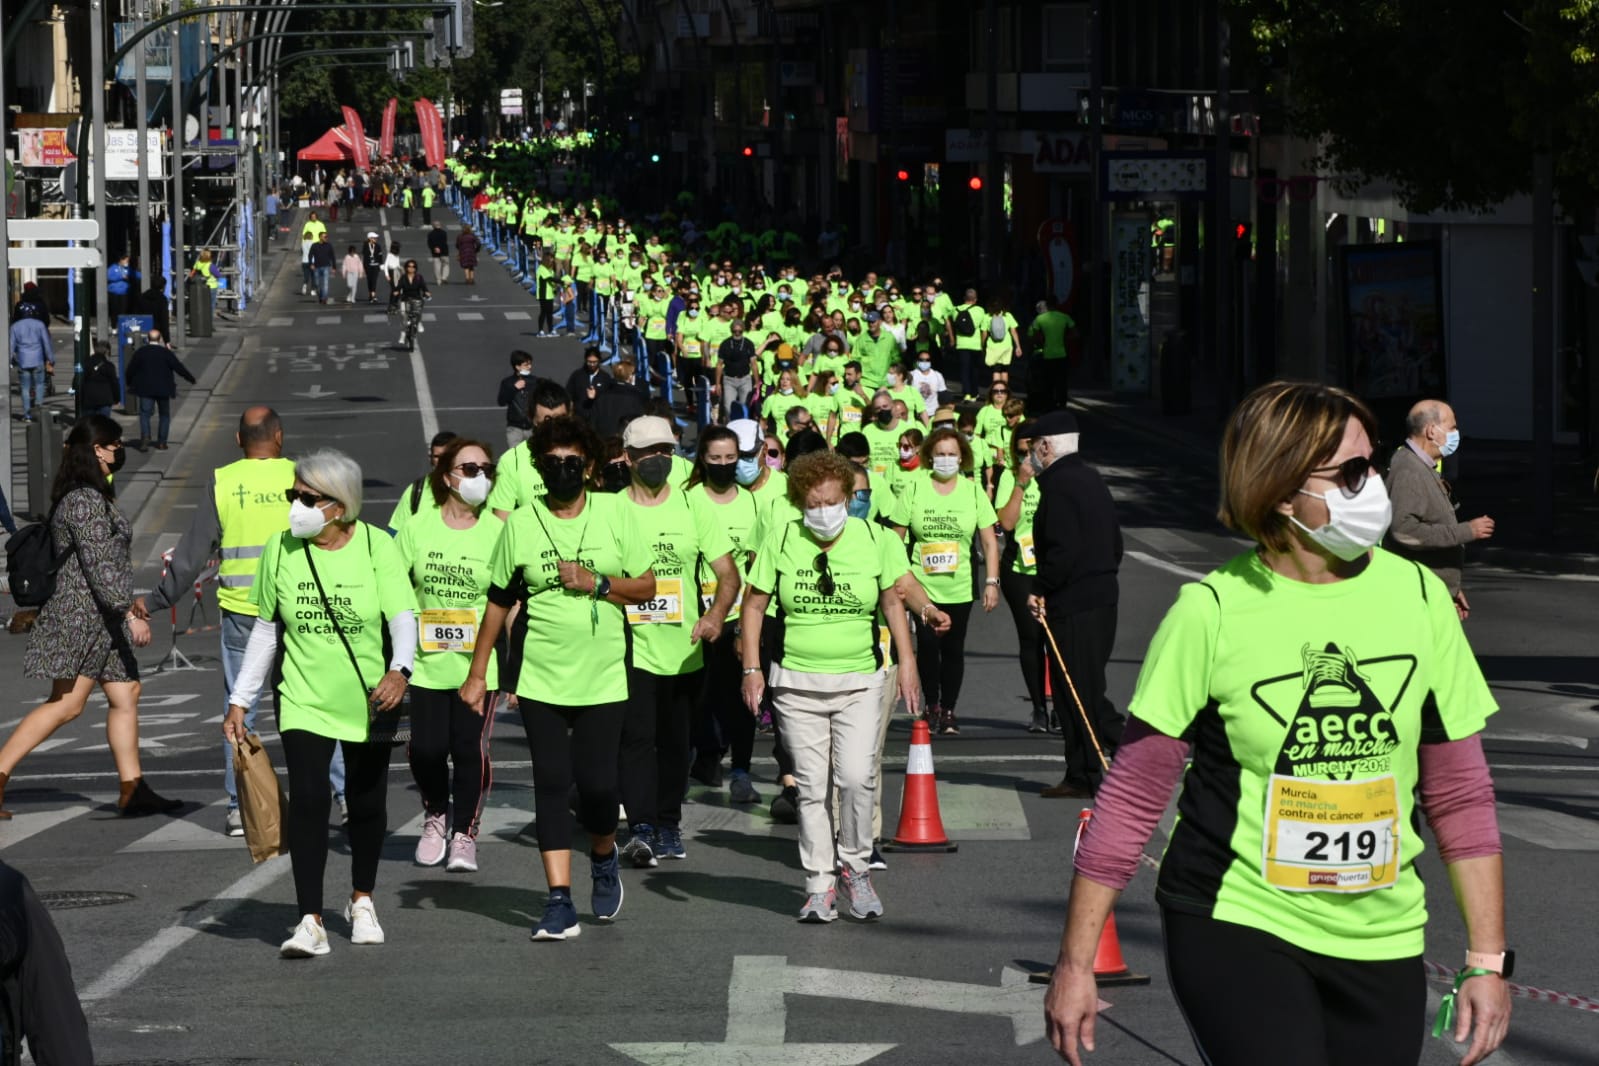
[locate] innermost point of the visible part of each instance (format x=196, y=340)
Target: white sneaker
x=421, y=327
x=363, y=919
x=309, y=939
x=463, y=855
x=431, y=848
x=235, y=823
x=402, y=338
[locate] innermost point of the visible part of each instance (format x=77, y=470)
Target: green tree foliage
x=315, y=88
x=1448, y=99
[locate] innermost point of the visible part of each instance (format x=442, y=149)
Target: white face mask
x=1037, y=462
x=946, y=466
x=1354, y=526
x=827, y=522
x=474, y=490
x=306, y=522
x=906, y=453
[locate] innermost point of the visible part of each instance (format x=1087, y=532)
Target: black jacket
x=577, y=387
x=100, y=385
x=154, y=370
x=372, y=254
x=321, y=255
x=153, y=302
x=617, y=406
x=38, y=980
x=438, y=242
x=1076, y=538
x=515, y=400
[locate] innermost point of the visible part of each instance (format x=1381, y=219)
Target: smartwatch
x=602, y=588
x=404, y=671
x=1502, y=963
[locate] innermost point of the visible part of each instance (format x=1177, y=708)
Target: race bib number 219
x=1331, y=836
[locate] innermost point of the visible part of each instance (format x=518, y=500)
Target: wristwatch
x=748, y=670
x=404, y=671
x=1502, y=963
x=602, y=587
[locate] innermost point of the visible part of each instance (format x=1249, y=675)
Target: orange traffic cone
x=920, y=827
x=1109, y=966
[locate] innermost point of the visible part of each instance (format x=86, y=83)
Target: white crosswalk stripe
x=369, y=318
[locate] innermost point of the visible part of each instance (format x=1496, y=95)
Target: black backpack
x=32, y=562
x=964, y=326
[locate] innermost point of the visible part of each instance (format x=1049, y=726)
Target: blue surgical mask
x=860, y=503
x=1451, y=443
x=748, y=470
x=924, y=364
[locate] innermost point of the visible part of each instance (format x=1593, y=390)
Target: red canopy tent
x=335, y=146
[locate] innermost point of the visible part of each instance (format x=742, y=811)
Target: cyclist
x=411, y=286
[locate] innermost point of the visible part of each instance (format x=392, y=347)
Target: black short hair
x=262, y=430
x=803, y=443
x=442, y=437
x=565, y=431
x=854, y=445
x=518, y=357
x=551, y=396
x=853, y=364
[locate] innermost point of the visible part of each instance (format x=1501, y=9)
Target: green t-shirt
x=999, y=352
x=835, y=634
x=992, y=436
x=914, y=402
x=1026, y=560
x=450, y=572
x=1053, y=327
x=1283, y=687
x=851, y=408
x=712, y=334
x=884, y=444
x=941, y=529
x=685, y=540
x=366, y=583
x=402, y=509
x=973, y=342
x=574, y=651
x=876, y=355
x=517, y=481
x=738, y=518
x=822, y=408
x=775, y=407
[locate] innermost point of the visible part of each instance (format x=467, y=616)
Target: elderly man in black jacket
x=1078, y=543
x=152, y=376
x=37, y=979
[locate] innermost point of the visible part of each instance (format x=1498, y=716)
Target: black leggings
x=1029, y=634
x=653, y=762
x=567, y=744
x=1250, y=998
x=307, y=756
x=723, y=701
x=546, y=316
x=941, y=659
x=443, y=729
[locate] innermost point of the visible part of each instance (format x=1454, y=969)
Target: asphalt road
x=177, y=959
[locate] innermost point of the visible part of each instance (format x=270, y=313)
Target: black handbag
x=392, y=726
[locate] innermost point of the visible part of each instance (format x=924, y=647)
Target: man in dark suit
x=152, y=376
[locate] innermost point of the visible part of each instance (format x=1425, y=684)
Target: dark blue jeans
x=149, y=405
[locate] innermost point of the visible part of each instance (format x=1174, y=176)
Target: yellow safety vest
x=250, y=508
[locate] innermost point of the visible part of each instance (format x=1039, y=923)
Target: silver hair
x=1061, y=445
x=332, y=473
x=1424, y=415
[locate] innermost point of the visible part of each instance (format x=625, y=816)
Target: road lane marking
x=1549, y=829
x=517, y=316
x=1511, y=736
x=28, y=823
x=328, y=320
x=189, y=833
x=424, y=391
x=1162, y=564
x=469, y=316
x=136, y=963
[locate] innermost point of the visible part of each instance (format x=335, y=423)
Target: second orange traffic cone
x=920, y=827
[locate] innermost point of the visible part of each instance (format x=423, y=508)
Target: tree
x=1448, y=99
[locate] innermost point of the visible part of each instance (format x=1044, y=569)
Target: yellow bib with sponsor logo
x=1331, y=836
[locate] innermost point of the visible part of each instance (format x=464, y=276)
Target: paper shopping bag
x=261, y=801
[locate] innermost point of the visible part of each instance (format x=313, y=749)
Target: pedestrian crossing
x=971, y=811
x=369, y=318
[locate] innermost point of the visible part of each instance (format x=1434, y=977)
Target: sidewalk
x=1492, y=480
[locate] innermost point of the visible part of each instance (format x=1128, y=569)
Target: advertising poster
x=1393, y=320
x=1129, y=303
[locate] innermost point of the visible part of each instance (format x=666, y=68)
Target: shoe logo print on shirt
x=1338, y=712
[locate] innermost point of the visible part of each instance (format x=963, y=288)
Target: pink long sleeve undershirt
x=1457, y=797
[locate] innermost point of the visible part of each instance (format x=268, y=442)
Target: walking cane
x=1103, y=763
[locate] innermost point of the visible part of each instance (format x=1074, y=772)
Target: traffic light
x=1243, y=241
x=902, y=175
x=975, y=183
x=748, y=151
x=655, y=157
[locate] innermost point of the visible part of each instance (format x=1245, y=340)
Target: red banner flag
x=386, y=138
x=432, y=127
x=352, y=121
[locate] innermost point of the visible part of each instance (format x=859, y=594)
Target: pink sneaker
x=430, y=849
x=463, y=855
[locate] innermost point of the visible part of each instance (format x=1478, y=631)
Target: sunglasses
x=773, y=453
x=1351, y=474
x=824, y=577
x=474, y=469
x=310, y=499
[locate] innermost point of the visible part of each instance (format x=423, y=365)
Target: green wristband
x=1446, y=1007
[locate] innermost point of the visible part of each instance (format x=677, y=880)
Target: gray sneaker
x=819, y=907
x=864, y=902
x=740, y=789
x=234, y=826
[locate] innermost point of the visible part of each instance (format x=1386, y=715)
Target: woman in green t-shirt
x=325, y=589
x=575, y=560
x=714, y=488
x=447, y=551
x=835, y=579
x=1322, y=687
x=940, y=513
x=1016, y=502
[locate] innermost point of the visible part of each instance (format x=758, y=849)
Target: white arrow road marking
x=757, y=1017
x=27, y=823
x=315, y=393
x=1512, y=736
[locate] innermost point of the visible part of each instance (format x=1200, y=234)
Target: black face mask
x=885, y=416
x=563, y=475
x=616, y=477
x=118, y=457
x=720, y=475
x=653, y=470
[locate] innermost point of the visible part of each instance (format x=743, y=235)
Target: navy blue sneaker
x=560, y=918
x=640, y=849
x=669, y=842
x=607, y=877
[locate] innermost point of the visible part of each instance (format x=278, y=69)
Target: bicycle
x=413, y=322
